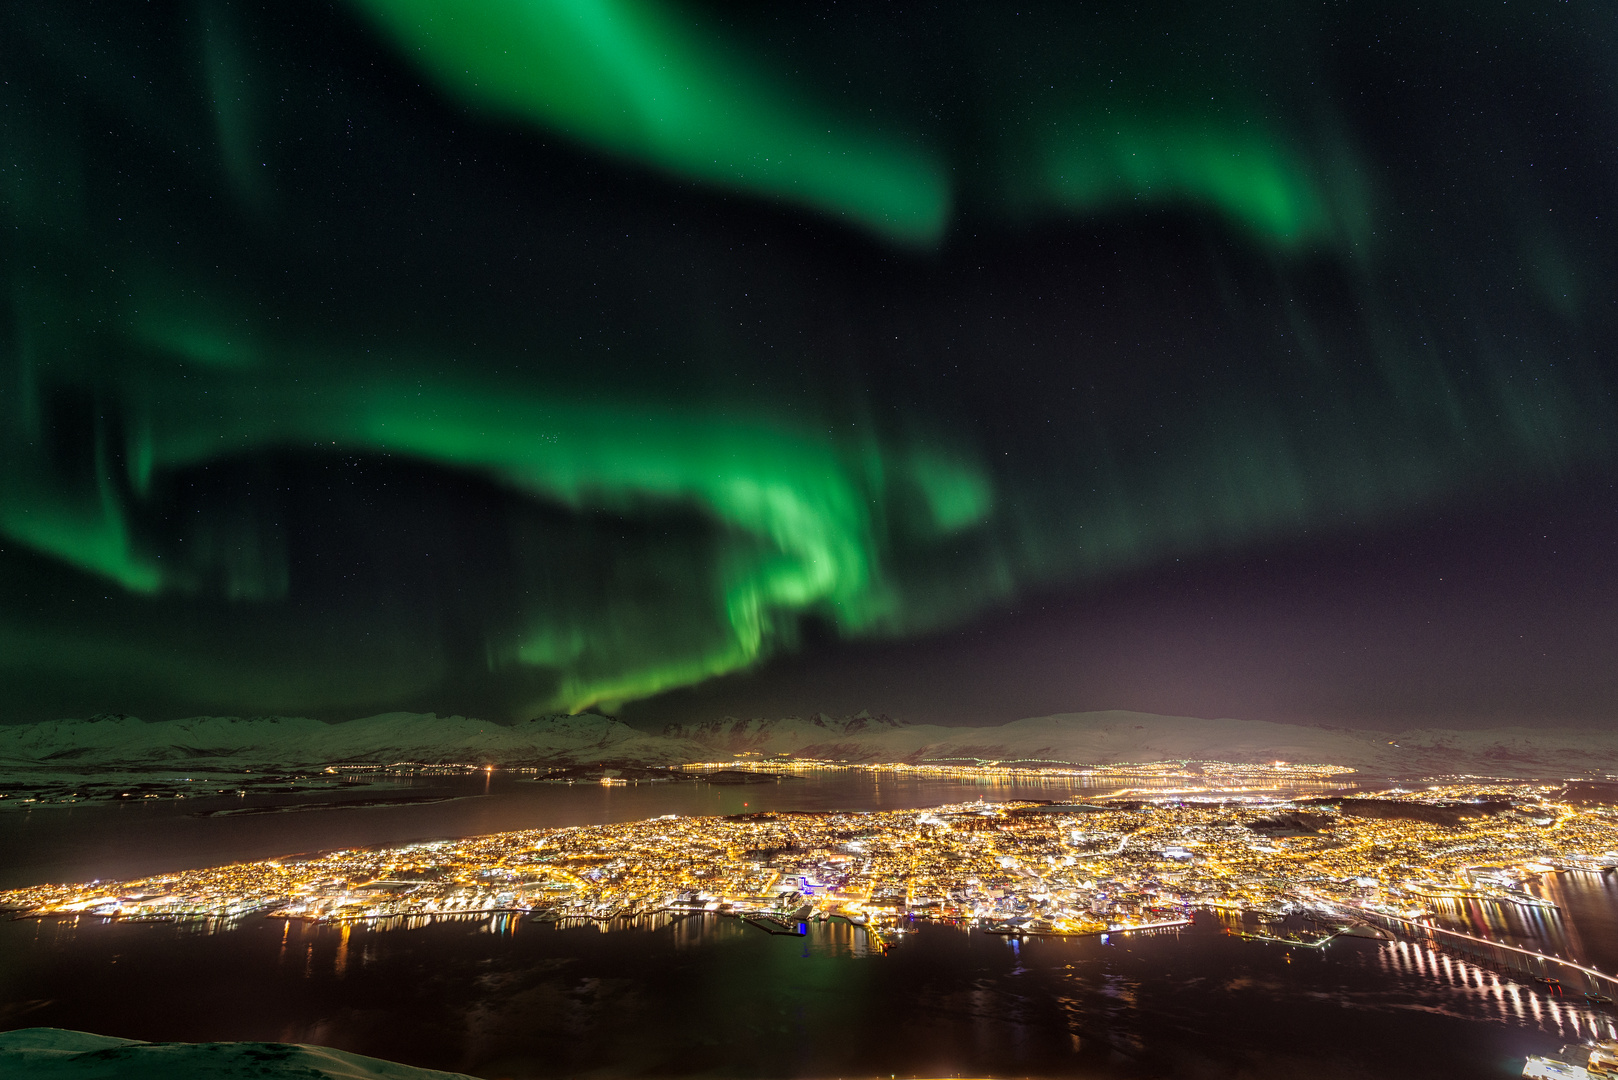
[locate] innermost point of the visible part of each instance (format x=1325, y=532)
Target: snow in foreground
x=57, y=1054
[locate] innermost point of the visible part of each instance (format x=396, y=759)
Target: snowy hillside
x=1110, y=737
x=56, y=1054
x=1086, y=738
x=227, y=741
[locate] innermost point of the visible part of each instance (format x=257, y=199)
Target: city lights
x=1014, y=867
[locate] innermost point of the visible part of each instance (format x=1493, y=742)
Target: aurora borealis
x=507, y=356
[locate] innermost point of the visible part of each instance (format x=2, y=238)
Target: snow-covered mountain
x=58, y=1054
x=1110, y=737
x=1087, y=738
x=298, y=742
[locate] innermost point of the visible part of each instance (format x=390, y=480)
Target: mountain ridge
x=1092, y=738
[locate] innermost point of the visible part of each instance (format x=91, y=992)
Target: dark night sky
x=680, y=359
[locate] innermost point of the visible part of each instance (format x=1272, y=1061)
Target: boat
x=1597, y=1061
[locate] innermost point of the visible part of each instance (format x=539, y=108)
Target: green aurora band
x=706, y=324
x=643, y=80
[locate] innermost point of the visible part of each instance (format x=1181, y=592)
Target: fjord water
x=708, y=996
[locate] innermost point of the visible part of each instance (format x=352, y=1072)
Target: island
x=1114, y=865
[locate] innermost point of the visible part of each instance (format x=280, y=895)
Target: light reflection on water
x=688, y=994
x=1465, y=989
x=1583, y=926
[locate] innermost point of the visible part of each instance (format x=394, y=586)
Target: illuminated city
x=1018, y=867
x=1221, y=773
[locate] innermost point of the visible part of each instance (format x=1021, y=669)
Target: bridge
x=1506, y=959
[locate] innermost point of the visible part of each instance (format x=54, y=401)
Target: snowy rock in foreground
x=58, y=1054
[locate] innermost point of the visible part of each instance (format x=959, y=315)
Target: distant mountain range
x=1099, y=738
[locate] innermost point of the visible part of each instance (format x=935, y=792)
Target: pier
x=775, y=924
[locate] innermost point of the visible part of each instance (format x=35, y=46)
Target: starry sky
x=668, y=359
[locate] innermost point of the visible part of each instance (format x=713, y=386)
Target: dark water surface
x=707, y=996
